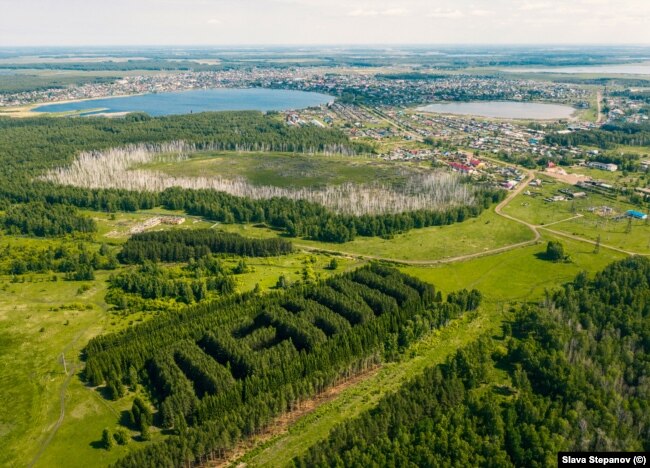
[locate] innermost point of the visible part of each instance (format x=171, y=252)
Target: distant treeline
x=110, y=65
x=605, y=137
x=181, y=245
x=637, y=95
x=20, y=83
x=412, y=76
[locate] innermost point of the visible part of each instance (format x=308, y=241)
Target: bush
x=122, y=436
x=555, y=251
x=107, y=439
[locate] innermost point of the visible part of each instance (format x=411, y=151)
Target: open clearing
x=289, y=170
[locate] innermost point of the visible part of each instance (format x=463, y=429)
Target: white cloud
x=360, y=12
x=386, y=12
x=445, y=14
x=481, y=13
x=394, y=12
x=237, y=22
x=535, y=6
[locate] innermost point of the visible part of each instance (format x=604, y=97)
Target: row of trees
x=299, y=218
x=577, y=370
x=277, y=349
x=182, y=245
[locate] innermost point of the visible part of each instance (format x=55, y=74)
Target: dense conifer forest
x=577, y=379
x=221, y=371
x=182, y=245
x=45, y=220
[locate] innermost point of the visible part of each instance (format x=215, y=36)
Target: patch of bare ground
x=282, y=423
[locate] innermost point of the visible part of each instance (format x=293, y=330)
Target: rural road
x=599, y=102
x=498, y=210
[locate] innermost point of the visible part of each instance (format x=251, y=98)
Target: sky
x=311, y=22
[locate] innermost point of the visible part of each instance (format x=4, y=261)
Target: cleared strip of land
x=316, y=425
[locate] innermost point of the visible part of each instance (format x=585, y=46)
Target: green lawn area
x=588, y=224
x=612, y=232
x=287, y=169
x=486, y=232
x=517, y=275
x=34, y=331
x=267, y=271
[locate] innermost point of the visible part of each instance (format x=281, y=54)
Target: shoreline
x=28, y=109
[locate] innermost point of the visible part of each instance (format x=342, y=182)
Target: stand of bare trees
x=121, y=168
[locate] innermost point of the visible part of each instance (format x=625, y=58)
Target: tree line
x=299, y=218
x=606, y=137
x=181, y=245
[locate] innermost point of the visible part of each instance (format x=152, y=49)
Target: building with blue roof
x=636, y=214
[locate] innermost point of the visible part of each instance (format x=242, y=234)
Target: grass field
x=288, y=170
x=486, y=232
x=34, y=331
x=517, y=275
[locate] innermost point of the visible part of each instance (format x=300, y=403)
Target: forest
x=69, y=257
x=299, y=218
x=151, y=281
x=183, y=245
x=606, y=137
x=221, y=371
x=45, y=220
x=23, y=154
x=576, y=372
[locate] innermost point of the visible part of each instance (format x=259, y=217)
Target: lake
x=623, y=69
x=502, y=109
x=203, y=100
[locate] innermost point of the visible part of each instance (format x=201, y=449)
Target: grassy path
x=316, y=425
x=71, y=373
